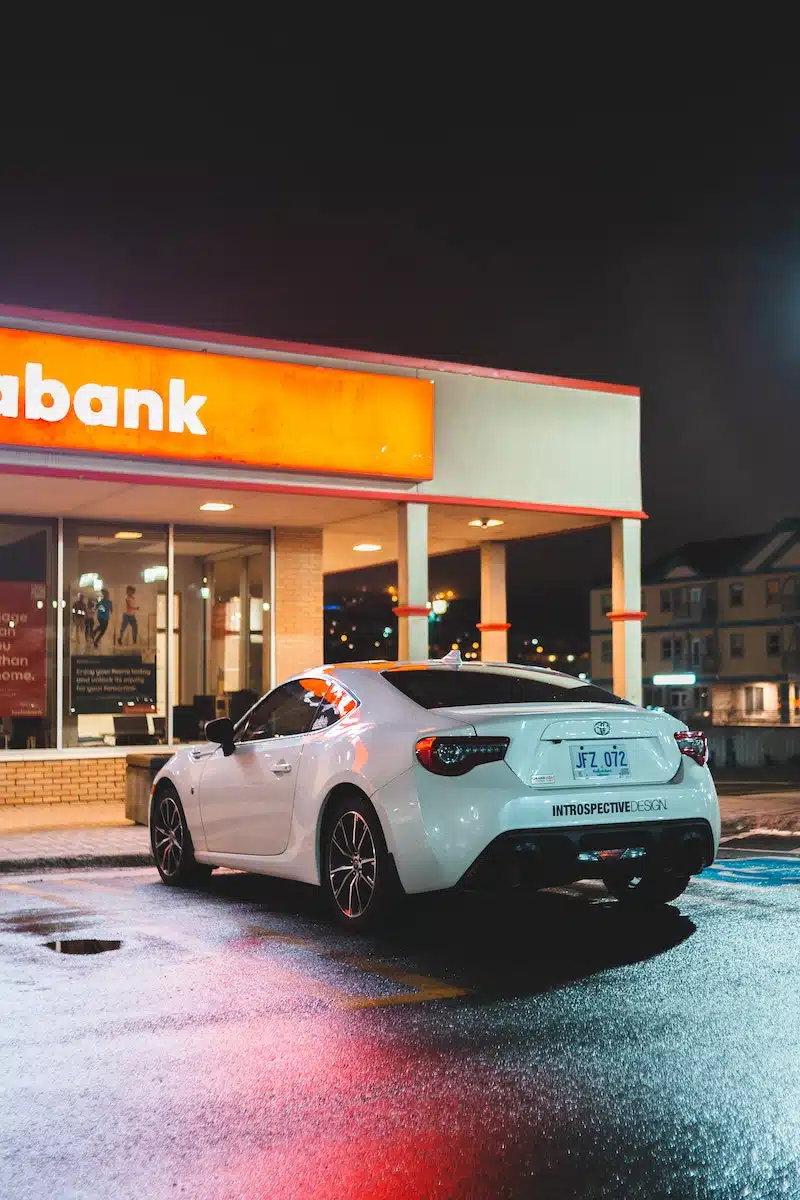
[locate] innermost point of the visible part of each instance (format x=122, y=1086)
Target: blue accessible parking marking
x=761, y=872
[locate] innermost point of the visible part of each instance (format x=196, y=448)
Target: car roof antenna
x=453, y=658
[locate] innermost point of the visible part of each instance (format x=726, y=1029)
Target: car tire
x=171, y=842
x=359, y=880
x=655, y=888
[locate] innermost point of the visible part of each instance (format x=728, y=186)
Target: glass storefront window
x=119, y=680
x=28, y=634
x=115, y=661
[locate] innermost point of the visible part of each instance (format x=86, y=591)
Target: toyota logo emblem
x=601, y=728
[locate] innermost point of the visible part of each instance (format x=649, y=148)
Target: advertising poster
x=107, y=683
x=23, y=650
x=113, y=647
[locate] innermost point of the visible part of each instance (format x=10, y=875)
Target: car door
x=246, y=798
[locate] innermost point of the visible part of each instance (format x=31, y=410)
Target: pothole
x=81, y=946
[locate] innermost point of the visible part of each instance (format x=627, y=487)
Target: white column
x=493, y=625
x=412, y=582
x=626, y=601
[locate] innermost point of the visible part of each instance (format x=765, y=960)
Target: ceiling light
x=215, y=506
x=127, y=535
x=486, y=523
x=367, y=547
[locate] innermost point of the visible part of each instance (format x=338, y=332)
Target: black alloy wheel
x=358, y=875
x=171, y=842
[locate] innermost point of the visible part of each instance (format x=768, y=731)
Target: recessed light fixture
x=215, y=506
x=367, y=547
x=127, y=535
x=486, y=523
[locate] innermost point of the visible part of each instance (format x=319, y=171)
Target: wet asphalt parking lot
x=230, y=1043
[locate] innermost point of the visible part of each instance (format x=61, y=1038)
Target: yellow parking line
x=29, y=891
x=274, y=935
x=423, y=987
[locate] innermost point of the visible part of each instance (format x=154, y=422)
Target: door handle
x=281, y=768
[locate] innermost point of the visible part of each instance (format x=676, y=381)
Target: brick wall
x=50, y=781
x=298, y=601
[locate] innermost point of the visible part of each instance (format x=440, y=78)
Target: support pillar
x=298, y=613
x=626, y=601
x=493, y=625
x=412, y=582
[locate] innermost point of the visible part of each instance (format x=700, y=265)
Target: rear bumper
x=438, y=827
x=548, y=857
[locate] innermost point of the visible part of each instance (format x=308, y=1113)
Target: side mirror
x=221, y=732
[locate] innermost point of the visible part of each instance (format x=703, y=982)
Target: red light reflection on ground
x=336, y=1111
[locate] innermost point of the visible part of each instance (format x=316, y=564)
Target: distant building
x=723, y=619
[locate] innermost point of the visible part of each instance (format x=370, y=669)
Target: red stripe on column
x=493, y=626
x=410, y=611
x=626, y=616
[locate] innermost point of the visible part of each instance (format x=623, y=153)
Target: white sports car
x=376, y=779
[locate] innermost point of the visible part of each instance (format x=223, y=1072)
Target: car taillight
x=457, y=755
x=694, y=744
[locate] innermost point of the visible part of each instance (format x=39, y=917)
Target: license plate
x=600, y=762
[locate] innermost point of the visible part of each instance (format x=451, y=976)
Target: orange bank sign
x=71, y=393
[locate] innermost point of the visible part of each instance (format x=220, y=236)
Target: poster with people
x=113, y=639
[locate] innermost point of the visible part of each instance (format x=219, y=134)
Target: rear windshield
x=446, y=687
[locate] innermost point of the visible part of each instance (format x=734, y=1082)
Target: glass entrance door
x=221, y=590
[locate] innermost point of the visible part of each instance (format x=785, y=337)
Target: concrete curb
x=19, y=866
x=788, y=822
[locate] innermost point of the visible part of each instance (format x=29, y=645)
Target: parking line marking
x=423, y=987
x=274, y=935
x=29, y=891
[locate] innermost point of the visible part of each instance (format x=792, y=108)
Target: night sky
x=629, y=247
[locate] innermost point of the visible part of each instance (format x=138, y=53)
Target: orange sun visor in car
x=84, y=394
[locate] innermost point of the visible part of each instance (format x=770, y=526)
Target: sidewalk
x=765, y=812
x=34, y=836
x=70, y=835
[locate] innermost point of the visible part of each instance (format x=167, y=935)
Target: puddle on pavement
x=81, y=946
x=43, y=923
x=43, y=928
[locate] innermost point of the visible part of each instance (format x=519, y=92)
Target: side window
x=337, y=703
x=287, y=711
